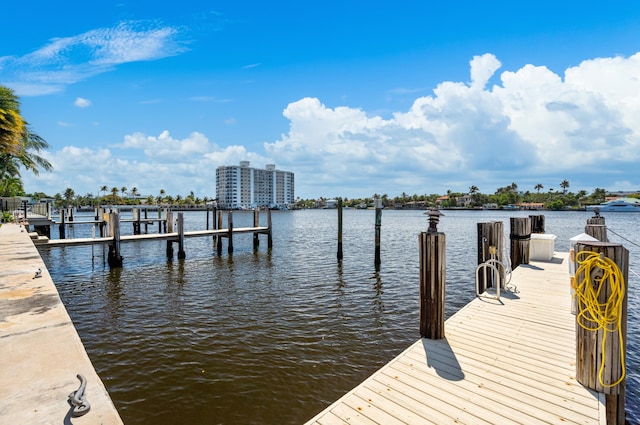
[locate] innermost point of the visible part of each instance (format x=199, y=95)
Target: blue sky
x=354, y=97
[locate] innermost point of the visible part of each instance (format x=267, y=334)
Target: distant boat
x=620, y=204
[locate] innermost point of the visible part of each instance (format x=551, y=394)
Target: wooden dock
x=501, y=362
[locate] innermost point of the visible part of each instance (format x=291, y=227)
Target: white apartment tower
x=242, y=187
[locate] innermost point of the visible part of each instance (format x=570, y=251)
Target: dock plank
x=509, y=362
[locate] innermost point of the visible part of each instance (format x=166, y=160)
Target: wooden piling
x=537, y=223
x=432, y=284
x=490, y=234
x=596, y=227
x=520, y=237
x=181, y=253
x=219, y=241
x=378, y=205
x=146, y=223
x=256, y=223
x=340, y=253
x=62, y=227
x=114, y=258
x=602, y=344
x=269, y=231
x=230, y=235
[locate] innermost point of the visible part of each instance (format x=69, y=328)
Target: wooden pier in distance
x=173, y=233
x=511, y=361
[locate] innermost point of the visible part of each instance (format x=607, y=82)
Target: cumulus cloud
x=531, y=126
x=67, y=60
x=534, y=125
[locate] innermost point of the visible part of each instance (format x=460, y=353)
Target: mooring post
x=520, y=237
x=71, y=220
x=181, y=253
x=602, y=270
x=537, y=223
x=214, y=218
x=490, y=238
x=159, y=219
x=596, y=227
x=169, y=221
x=230, y=226
x=114, y=258
x=339, y=254
x=135, y=221
x=269, y=230
x=146, y=223
x=256, y=223
x=378, y=205
x=432, y=245
x=63, y=214
x=219, y=241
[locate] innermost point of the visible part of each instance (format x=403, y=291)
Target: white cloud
x=82, y=103
x=534, y=126
x=68, y=60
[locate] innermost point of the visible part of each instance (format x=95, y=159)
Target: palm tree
x=161, y=197
x=103, y=189
x=564, y=185
x=538, y=187
x=19, y=146
x=68, y=196
x=114, y=194
x=473, y=189
x=134, y=192
x=124, y=191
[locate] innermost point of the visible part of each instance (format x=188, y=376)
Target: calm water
x=265, y=338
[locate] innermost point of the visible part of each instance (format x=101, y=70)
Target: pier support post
x=489, y=235
x=432, y=280
x=181, y=253
x=591, y=354
x=256, y=223
x=230, y=236
x=114, y=258
x=146, y=223
x=520, y=239
x=537, y=223
x=378, y=204
x=596, y=227
x=339, y=254
x=269, y=227
x=219, y=241
x=63, y=213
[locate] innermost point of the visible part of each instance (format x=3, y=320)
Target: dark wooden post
x=159, y=219
x=490, y=234
x=432, y=280
x=256, y=223
x=230, y=236
x=71, y=219
x=520, y=239
x=378, y=205
x=114, y=258
x=269, y=227
x=219, y=242
x=214, y=218
x=63, y=213
x=206, y=209
x=146, y=223
x=596, y=227
x=537, y=223
x=340, y=253
x=591, y=355
x=181, y=253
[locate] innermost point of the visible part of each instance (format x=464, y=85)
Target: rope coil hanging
x=605, y=316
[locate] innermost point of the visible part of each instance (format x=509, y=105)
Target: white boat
x=620, y=204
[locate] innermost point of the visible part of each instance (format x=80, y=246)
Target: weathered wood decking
x=508, y=362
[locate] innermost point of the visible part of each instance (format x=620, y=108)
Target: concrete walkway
x=40, y=351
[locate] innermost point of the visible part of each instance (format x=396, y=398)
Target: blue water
x=276, y=337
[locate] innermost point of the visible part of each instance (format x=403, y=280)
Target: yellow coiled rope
x=606, y=316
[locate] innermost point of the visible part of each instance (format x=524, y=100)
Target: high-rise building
x=240, y=187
